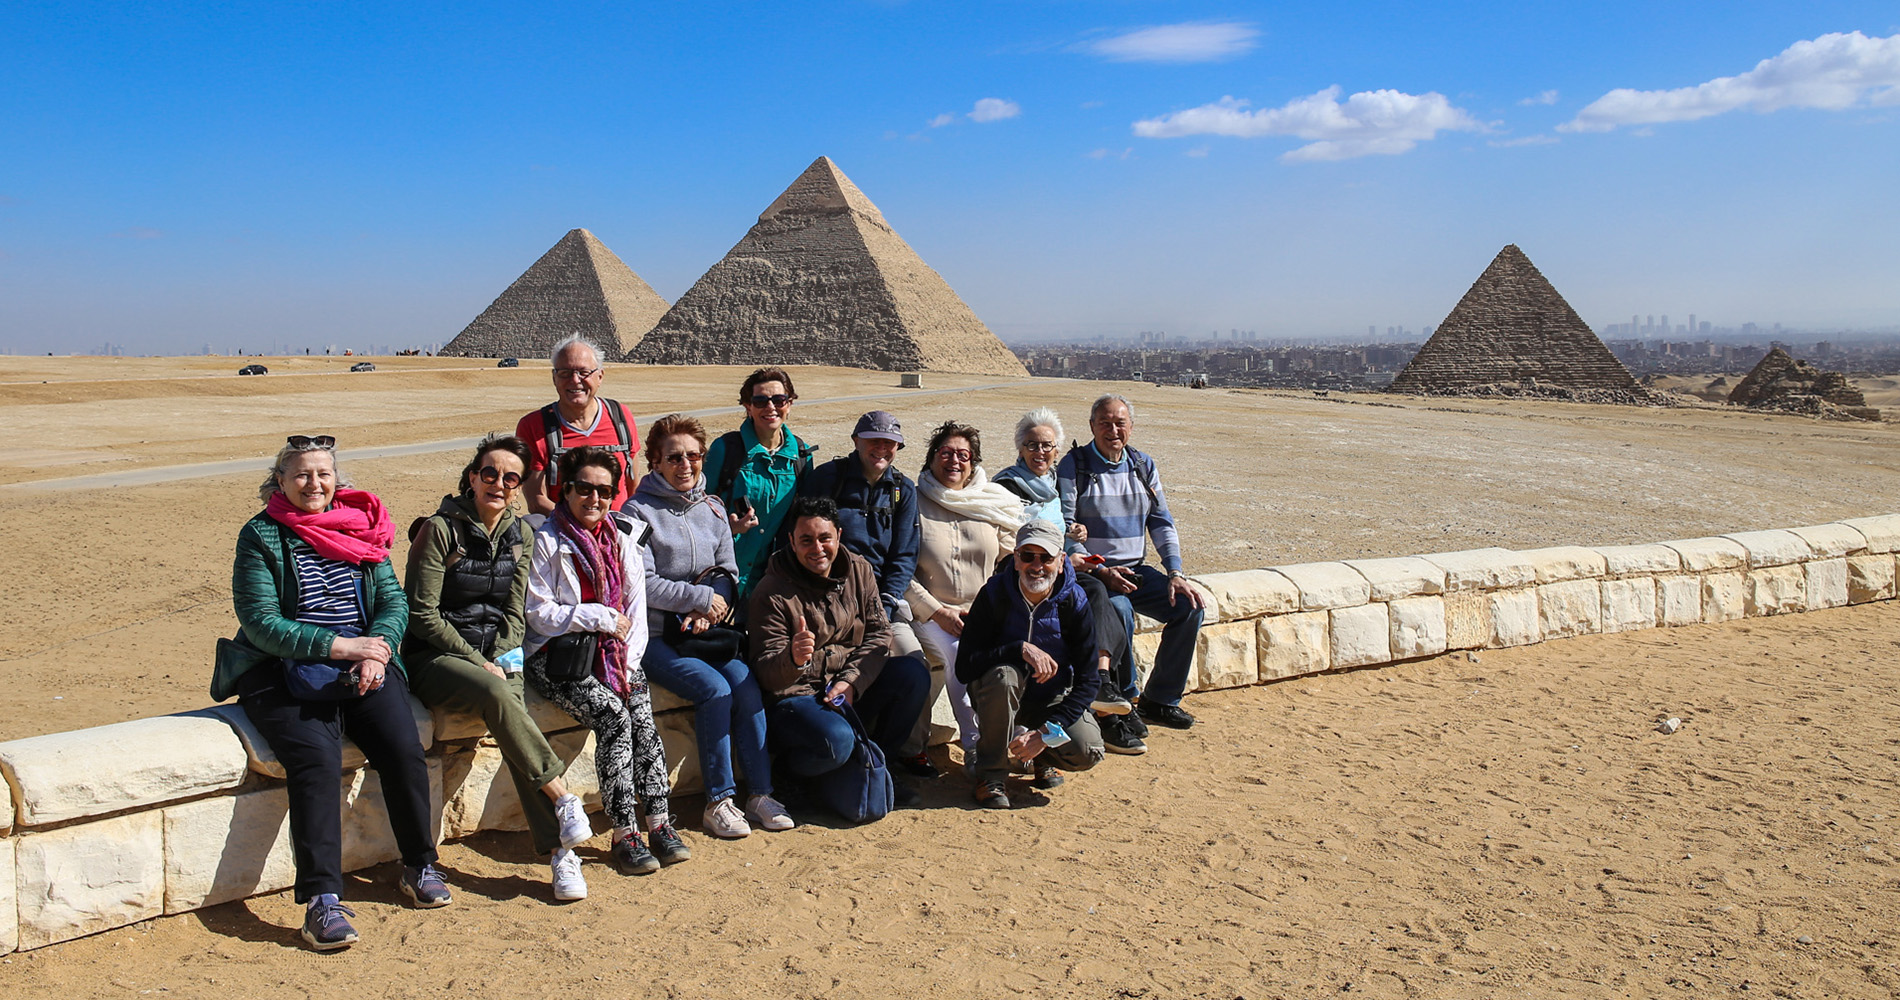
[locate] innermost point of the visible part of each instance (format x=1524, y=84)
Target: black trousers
x=307, y=737
x=1110, y=636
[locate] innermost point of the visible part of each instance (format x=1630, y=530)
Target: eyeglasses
x=490, y=475
x=761, y=401
x=305, y=441
x=602, y=490
x=688, y=457
x=574, y=374
x=1034, y=558
x=1039, y=446
x=960, y=454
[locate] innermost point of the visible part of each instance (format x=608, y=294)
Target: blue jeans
x=728, y=719
x=1181, y=626
x=811, y=739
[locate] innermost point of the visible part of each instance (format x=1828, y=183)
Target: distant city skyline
x=185, y=174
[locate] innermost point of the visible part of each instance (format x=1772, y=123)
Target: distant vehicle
x=508, y=363
x=253, y=370
x=362, y=366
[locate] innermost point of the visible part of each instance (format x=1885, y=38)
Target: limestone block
x=1146, y=644
x=1565, y=562
x=577, y=748
x=7, y=794
x=1869, y=578
x=1882, y=532
x=9, y=907
x=91, y=877
x=546, y=715
x=1418, y=627
x=682, y=752
x=227, y=847
x=1623, y=560
x=1467, y=620
x=1295, y=644
x=1483, y=569
x=1226, y=657
x=1361, y=635
x=264, y=762
x=1680, y=599
x=90, y=772
x=1724, y=597
x=1144, y=624
x=456, y=725
x=1629, y=604
x=1514, y=620
x=1325, y=585
x=1774, y=547
x=367, y=837
x=1404, y=576
x=1573, y=608
x=1776, y=590
x=478, y=794
x=1829, y=541
x=1826, y=583
x=1699, y=555
x=1249, y=593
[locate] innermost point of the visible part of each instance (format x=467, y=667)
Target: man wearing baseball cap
x=877, y=514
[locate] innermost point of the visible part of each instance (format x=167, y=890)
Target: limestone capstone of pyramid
x=822, y=279
x=577, y=287
x=1513, y=327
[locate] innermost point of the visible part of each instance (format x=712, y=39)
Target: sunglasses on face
x=1034, y=558
x=574, y=374
x=689, y=457
x=760, y=402
x=601, y=490
x=490, y=475
x=306, y=441
x=960, y=454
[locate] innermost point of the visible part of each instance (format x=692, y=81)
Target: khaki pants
x=997, y=695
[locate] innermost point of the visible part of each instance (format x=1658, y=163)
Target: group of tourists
x=812, y=614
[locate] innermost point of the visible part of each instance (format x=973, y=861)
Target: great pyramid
x=822, y=279
x=1513, y=327
x=577, y=287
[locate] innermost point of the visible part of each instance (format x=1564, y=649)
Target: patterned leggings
x=628, y=754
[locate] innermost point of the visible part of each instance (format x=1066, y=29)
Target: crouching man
x=1028, y=658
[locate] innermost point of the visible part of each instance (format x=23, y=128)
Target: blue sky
x=308, y=173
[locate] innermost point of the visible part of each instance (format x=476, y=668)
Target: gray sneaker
x=424, y=886
x=326, y=925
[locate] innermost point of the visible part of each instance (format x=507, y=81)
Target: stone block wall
x=109, y=826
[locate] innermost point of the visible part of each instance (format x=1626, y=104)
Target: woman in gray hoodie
x=691, y=581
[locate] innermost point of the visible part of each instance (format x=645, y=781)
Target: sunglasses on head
x=762, y=401
x=490, y=475
x=591, y=489
x=306, y=441
x=1034, y=558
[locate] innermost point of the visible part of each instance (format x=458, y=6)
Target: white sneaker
x=767, y=814
x=568, y=883
x=723, y=819
x=575, y=828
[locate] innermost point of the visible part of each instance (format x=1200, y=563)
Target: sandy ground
x=125, y=589
x=1445, y=828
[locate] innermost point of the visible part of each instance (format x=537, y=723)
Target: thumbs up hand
x=804, y=644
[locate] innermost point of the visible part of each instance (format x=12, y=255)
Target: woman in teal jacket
x=314, y=660
x=754, y=471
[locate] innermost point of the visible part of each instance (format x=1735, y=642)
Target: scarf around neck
x=600, y=561
x=981, y=500
x=356, y=529
x=1041, y=489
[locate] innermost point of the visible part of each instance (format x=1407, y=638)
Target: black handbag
x=717, y=644
x=571, y=657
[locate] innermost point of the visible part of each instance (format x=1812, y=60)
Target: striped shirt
x=1119, y=503
x=327, y=592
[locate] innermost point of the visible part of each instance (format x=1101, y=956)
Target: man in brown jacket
x=819, y=639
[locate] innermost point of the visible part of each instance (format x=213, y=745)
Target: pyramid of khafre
x=577, y=287
x=1513, y=327
x=822, y=279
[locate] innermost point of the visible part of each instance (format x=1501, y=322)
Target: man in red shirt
x=578, y=416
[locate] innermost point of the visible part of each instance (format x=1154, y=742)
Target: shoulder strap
x=733, y=457
x=551, y=430
x=1145, y=473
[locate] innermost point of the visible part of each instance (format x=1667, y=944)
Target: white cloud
x=1527, y=140
x=1833, y=72
x=1384, y=122
x=1543, y=97
x=1178, y=43
x=1103, y=154
x=942, y=120
x=994, y=109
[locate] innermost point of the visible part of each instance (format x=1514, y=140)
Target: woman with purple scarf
x=589, y=576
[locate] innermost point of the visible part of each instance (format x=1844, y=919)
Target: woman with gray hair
x=321, y=616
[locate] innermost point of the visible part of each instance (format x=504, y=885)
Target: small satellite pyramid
x=1513, y=327
x=577, y=287
x=822, y=279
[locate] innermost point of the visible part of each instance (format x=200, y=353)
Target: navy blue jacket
x=1001, y=620
x=878, y=520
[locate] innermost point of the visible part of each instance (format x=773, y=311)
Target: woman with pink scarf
x=314, y=661
x=587, y=629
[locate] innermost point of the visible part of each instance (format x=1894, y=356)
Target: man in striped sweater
x=1113, y=491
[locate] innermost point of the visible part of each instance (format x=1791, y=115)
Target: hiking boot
x=326, y=925
x=766, y=813
x=723, y=819
x=1172, y=716
x=424, y=887
x=568, y=883
x=992, y=795
x=633, y=858
x=1108, y=702
x=667, y=845
x=572, y=815
x=1118, y=736
x=1047, y=776
x=918, y=766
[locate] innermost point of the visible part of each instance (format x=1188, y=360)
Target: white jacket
x=554, y=590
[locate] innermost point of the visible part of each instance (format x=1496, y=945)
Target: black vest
x=478, y=581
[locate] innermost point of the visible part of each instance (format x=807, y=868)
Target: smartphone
x=742, y=505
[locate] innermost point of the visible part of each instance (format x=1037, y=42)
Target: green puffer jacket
x=264, y=592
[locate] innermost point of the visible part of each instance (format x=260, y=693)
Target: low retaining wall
x=108, y=826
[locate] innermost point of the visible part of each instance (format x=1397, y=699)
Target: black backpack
x=734, y=458
x=623, y=452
